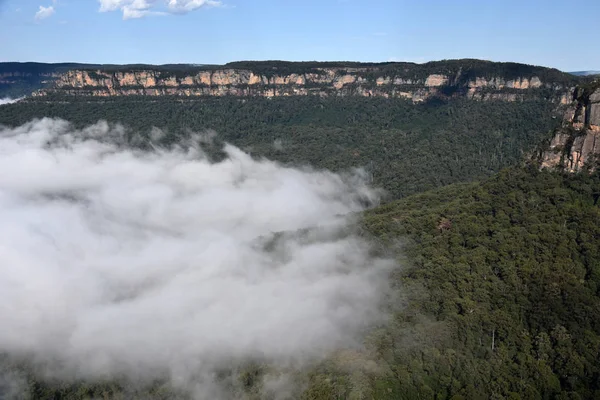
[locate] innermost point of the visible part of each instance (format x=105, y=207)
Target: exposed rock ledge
x=319, y=81
x=576, y=146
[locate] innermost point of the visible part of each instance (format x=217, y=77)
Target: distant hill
x=476, y=79
x=585, y=73
x=19, y=79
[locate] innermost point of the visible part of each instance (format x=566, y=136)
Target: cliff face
x=576, y=145
x=21, y=79
x=333, y=81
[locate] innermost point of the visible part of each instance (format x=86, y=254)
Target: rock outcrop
x=21, y=79
x=576, y=145
x=401, y=80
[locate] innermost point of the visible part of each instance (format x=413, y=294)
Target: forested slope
x=496, y=296
x=504, y=286
x=497, y=290
x=406, y=147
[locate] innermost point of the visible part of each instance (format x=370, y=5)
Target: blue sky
x=543, y=32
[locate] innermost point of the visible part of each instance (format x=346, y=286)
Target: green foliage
x=504, y=300
x=500, y=300
x=406, y=148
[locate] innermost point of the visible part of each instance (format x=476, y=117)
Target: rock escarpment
x=576, y=145
x=21, y=79
x=472, y=79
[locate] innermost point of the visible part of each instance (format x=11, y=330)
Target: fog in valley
x=117, y=262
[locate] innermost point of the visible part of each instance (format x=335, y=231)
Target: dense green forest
x=510, y=271
x=497, y=297
x=406, y=148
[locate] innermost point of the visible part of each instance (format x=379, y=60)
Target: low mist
x=120, y=262
x=8, y=100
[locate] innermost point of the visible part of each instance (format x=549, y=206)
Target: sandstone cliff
x=21, y=79
x=391, y=80
x=576, y=145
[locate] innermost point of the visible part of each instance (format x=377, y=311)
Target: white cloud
x=115, y=261
x=44, y=12
x=8, y=100
x=184, y=6
x=140, y=8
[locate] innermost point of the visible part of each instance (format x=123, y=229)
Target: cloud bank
x=119, y=262
x=141, y=8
